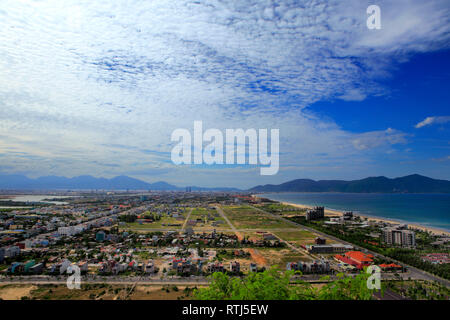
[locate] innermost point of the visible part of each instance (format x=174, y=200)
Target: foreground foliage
x=274, y=284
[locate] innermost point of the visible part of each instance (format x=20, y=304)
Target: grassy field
x=281, y=209
x=246, y=217
x=300, y=237
x=160, y=224
x=206, y=225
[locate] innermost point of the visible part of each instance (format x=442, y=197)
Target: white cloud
x=432, y=120
x=373, y=139
x=79, y=78
x=443, y=159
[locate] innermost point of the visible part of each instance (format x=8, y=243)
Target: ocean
x=429, y=210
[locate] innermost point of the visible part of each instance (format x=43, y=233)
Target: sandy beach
x=333, y=213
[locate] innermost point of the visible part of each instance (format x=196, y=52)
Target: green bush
x=274, y=284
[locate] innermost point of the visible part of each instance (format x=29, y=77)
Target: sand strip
x=333, y=213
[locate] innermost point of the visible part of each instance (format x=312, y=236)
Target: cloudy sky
x=97, y=87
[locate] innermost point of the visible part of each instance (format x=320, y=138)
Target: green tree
x=274, y=284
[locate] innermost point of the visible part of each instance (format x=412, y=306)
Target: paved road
x=413, y=272
x=115, y=282
x=294, y=248
x=187, y=219
x=233, y=228
x=389, y=295
x=218, y=229
x=133, y=281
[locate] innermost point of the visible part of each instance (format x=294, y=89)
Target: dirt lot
x=161, y=293
x=281, y=256
x=96, y=292
x=10, y=292
x=217, y=223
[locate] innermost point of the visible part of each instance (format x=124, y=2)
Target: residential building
x=150, y=267
x=319, y=266
x=315, y=214
x=398, y=236
x=437, y=258
x=215, y=267
x=189, y=231
x=183, y=266
x=408, y=238
x=28, y=265
x=37, y=268
x=83, y=266
x=16, y=267
x=60, y=267
x=235, y=267
x=328, y=248
x=100, y=236
x=319, y=240
x=12, y=251
x=269, y=237
x=347, y=215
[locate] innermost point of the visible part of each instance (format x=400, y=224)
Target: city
x=224, y=158
x=169, y=243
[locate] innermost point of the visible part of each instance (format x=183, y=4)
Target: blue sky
x=418, y=88
x=97, y=87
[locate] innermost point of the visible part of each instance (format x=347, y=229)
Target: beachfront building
x=315, y=214
x=347, y=215
x=398, y=236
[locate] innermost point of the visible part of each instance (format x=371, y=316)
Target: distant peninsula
x=414, y=183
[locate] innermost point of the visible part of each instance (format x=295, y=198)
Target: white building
x=70, y=231
x=12, y=251
x=64, y=265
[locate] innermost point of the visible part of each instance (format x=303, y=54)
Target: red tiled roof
x=392, y=265
x=359, y=256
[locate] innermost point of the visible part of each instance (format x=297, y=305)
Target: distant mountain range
x=409, y=184
x=21, y=182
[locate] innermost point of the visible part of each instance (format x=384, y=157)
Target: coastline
x=334, y=213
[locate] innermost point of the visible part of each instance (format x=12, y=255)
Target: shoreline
x=334, y=213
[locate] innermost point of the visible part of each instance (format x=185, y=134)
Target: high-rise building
x=399, y=237
x=315, y=214
x=408, y=238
